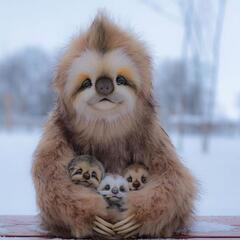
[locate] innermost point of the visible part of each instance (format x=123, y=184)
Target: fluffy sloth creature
x=105, y=108
x=86, y=170
x=136, y=175
x=114, y=189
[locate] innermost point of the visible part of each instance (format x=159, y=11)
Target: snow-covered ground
x=217, y=172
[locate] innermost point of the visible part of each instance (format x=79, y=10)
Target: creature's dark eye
x=143, y=179
x=94, y=174
x=79, y=171
x=122, y=189
x=107, y=187
x=86, y=84
x=121, y=80
x=129, y=179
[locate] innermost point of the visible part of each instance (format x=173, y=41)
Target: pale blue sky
x=51, y=23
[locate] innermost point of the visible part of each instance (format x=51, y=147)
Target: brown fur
x=164, y=205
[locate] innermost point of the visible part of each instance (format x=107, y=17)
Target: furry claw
x=101, y=232
x=123, y=222
x=131, y=234
x=129, y=229
x=125, y=226
x=103, y=222
x=103, y=228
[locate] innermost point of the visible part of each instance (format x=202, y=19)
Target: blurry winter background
x=196, y=50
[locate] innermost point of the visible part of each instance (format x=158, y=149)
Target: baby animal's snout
x=115, y=190
x=86, y=175
x=136, y=184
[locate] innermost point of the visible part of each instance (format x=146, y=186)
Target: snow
x=203, y=226
x=16, y=188
x=217, y=173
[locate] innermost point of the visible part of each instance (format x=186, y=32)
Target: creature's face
x=104, y=83
x=136, y=177
x=85, y=173
x=113, y=188
x=102, y=86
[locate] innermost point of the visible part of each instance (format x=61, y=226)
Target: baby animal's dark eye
x=129, y=179
x=143, y=179
x=86, y=84
x=121, y=80
x=122, y=189
x=79, y=171
x=107, y=187
x=94, y=174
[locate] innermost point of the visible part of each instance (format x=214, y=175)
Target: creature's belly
x=113, y=164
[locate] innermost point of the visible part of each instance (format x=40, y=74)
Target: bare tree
x=214, y=72
x=202, y=22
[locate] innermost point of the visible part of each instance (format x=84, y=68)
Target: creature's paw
x=80, y=231
x=76, y=233
x=103, y=227
x=128, y=227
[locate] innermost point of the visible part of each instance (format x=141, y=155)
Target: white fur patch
x=87, y=63
x=114, y=181
x=94, y=64
x=94, y=116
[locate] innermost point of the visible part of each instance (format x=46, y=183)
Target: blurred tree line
x=196, y=75
x=26, y=94
x=176, y=92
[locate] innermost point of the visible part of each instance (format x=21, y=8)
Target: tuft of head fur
x=104, y=36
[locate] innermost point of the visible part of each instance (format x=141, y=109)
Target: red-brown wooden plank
x=204, y=227
x=20, y=226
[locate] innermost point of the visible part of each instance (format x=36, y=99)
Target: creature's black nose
x=104, y=85
x=115, y=190
x=136, y=184
x=86, y=175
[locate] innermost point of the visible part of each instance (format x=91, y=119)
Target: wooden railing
x=204, y=227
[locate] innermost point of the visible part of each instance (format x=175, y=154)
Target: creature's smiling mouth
x=113, y=98
x=115, y=198
x=105, y=103
x=86, y=183
x=106, y=100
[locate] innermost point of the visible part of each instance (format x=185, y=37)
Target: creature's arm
x=64, y=206
x=165, y=204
